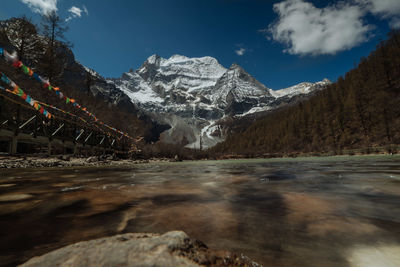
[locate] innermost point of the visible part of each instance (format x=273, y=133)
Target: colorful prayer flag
x=36, y=77
x=25, y=69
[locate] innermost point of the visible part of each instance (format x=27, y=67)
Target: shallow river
x=341, y=211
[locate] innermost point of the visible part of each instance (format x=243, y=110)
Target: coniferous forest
x=359, y=110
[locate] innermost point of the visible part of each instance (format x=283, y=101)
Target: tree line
x=359, y=110
x=40, y=47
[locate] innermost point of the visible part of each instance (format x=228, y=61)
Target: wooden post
x=13, y=145
x=36, y=125
x=75, y=149
x=64, y=131
x=1, y=109
x=105, y=144
x=14, y=140
x=49, y=147
x=75, y=133
x=50, y=136
x=17, y=121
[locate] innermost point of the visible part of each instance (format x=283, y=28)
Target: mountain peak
x=153, y=59
x=193, y=93
x=326, y=80
x=235, y=66
x=178, y=57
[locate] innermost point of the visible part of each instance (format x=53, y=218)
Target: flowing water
x=339, y=211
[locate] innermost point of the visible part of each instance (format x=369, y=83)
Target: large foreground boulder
x=170, y=249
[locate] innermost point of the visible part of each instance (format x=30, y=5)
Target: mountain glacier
x=193, y=95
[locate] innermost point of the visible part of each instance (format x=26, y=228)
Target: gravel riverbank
x=7, y=162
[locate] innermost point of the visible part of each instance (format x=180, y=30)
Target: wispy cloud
x=385, y=9
x=306, y=29
x=240, y=51
x=395, y=23
x=76, y=12
x=41, y=6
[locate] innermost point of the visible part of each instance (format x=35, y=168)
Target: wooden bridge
x=24, y=130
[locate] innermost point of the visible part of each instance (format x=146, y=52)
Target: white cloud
x=77, y=12
x=41, y=6
x=395, y=23
x=240, y=51
x=306, y=29
x=386, y=9
x=85, y=10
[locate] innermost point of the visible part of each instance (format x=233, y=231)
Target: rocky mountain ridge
x=193, y=94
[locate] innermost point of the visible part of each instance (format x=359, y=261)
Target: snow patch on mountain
x=193, y=94
x=302, y=88
x=189, y=74
x=255, y=110
x=138, y=90
x=92, y=72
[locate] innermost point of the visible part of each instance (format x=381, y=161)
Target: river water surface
x=339, y=211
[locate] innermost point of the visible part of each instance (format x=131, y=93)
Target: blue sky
x=280, y=43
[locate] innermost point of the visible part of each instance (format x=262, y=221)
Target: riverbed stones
x=65, y=161
x=92, y=159
x=137, y=249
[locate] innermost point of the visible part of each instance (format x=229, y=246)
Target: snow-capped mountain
x=194, y=94
x=301, y=88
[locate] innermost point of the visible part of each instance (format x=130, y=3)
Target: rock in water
x=134, y=249
x=92, y=159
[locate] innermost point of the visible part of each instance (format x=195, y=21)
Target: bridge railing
x=21, y=123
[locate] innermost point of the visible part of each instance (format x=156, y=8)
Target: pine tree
x=53, y=59
x=23, y=36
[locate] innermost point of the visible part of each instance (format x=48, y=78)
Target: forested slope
x=360, y=110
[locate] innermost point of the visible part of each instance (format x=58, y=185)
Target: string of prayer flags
x=47, y=85
x=73, y=115
x=13, y=58
x=19, y=92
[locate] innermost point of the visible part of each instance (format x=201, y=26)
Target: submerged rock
x=135, y=249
